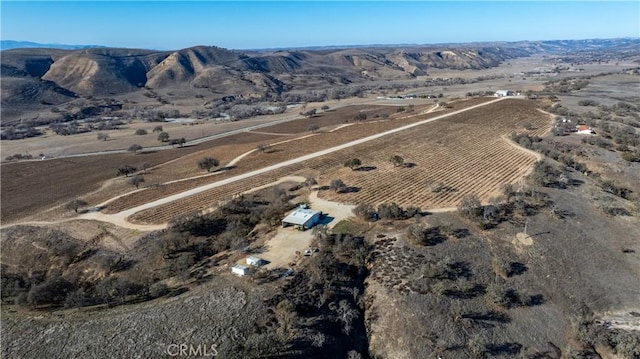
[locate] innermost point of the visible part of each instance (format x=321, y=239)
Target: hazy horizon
x=264, y=24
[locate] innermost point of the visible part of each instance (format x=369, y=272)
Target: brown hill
x=53, y=76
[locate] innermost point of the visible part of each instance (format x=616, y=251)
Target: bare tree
x=346, y=314
x=144, y=166
x=137, y=180
x=338, y=186
x=102, y=136
x=264, y=147
x=76, y=204
x=313, y=128
x=310, y=182
x=126, y=170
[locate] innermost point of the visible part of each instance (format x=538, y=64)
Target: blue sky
x=268, y=24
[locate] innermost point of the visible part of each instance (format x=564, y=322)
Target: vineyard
x=257, y=159
x=466, y=153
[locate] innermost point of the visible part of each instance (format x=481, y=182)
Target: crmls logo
x=190, y=350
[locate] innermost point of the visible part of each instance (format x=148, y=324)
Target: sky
x=168, y=25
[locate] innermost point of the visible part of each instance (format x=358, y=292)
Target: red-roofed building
x=584, y=130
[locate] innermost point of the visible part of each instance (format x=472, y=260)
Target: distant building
x=584, y=130
x=503, y=93
x=239, y=270
x=302, y=218
x=255, y=261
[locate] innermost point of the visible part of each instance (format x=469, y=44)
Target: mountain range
x=34, y=78
x=13, y=44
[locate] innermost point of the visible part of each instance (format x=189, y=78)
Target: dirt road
x=120, y=218
x=127, y=213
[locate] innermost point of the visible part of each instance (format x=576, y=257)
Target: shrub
x=353, y=163
x=426, y=236
x=545, y=174
x=134, y=148
x=364, y=211
x=338, y=186
x=412, y=211
x=391, y=211
x=163, y=137
x=360, y=116
x=396, y=160
x=470, y=206
x=140, y=132
x=53, y=291
x=158, y=289
x=587, y=103
x=207, y=163
x=631, y=156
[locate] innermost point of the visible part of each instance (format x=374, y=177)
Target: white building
x=302, y=218
x=503, y=93
x=239, y=270
x=584, y=130
x=255, y=261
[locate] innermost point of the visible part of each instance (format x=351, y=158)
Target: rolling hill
x=34, y=79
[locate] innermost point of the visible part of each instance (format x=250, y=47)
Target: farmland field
x=467, y=153
x=278, y=153
x=464, y=154
x=31, y=186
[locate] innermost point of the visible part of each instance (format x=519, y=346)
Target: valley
x=454, y=223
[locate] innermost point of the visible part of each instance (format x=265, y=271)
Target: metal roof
x=300, y=216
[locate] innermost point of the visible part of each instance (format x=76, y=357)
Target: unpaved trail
x=120, y=218
x=337, y=211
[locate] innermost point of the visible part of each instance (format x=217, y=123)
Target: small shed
x=302, y=218
x=255, y=261
x=239, y=270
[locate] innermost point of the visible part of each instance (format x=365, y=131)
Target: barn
x=503, y=93
x=302, y=218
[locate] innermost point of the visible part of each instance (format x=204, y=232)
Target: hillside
x=34, y=80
